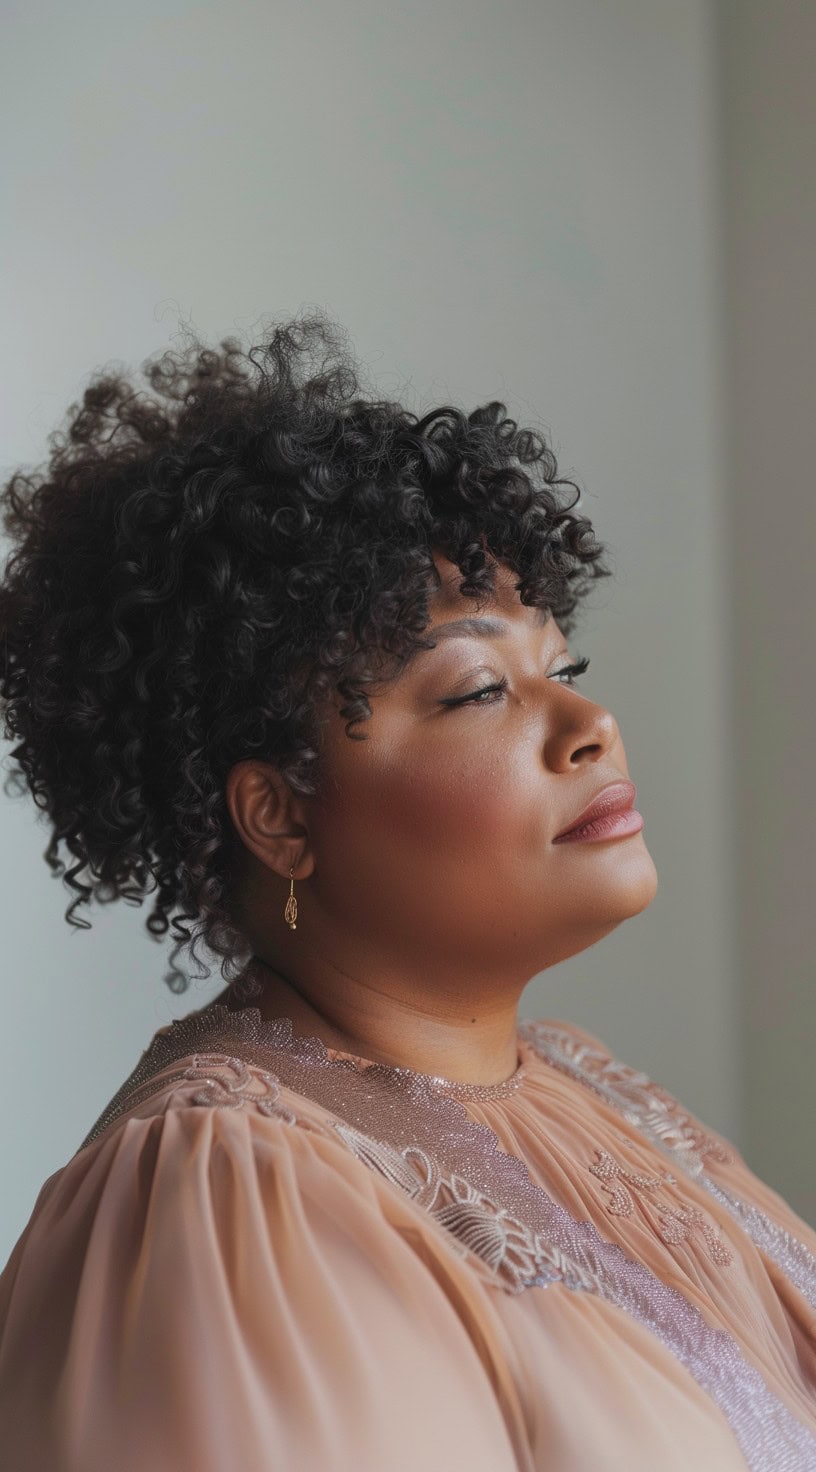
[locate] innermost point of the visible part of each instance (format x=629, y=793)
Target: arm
x=205, y=1290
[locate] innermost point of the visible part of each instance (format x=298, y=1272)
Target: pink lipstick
x=617, y=825
x=611, y=814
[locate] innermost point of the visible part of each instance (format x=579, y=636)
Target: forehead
x=447, y=599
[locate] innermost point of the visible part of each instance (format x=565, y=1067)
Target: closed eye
x=499, y=686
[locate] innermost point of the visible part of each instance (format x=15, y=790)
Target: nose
x=582, y=732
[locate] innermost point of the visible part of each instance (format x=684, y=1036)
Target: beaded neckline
x=279, y=1032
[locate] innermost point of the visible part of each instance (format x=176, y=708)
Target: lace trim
x=401, y=1125
x=662, y=1119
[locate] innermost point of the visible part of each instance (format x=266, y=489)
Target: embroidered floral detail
x=643, y=1102
x=236, y=1089
x=510, y=1249
x=224, y=1080
x=608, y=1170
x=660, y=1117
x=676, y=1222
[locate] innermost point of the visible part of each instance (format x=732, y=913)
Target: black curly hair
x=196, y=572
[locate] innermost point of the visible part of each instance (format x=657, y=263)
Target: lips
x=616, y=797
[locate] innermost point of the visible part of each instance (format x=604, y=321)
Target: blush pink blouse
x=274, y=1256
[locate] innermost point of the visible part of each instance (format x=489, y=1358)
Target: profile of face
x=428, y=849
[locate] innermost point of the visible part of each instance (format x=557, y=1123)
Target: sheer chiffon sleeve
x=203, y=1290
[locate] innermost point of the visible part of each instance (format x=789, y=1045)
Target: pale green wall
x=511, y=200
x=768, y=54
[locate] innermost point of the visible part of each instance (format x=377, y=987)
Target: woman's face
x=433, y=838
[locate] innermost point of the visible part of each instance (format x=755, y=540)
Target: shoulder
x=213, y=1121
x=216, y=1166
x=647, y=1103
x=215, y=1279
x=195, y=1079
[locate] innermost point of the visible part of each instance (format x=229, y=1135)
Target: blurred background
x=602, y=212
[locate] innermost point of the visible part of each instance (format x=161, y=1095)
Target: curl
x=200, y=565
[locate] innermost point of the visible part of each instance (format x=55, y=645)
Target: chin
x=644, y=892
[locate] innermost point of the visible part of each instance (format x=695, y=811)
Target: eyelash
x=572, y=670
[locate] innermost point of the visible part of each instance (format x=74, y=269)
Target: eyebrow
x=480, y=628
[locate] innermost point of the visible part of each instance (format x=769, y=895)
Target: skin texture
x=429, y=890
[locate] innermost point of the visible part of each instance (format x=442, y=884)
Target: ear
x=269, y=818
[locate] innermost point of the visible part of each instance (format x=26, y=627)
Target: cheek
x=443, y=800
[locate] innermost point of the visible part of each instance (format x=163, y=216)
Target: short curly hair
x=197, y=570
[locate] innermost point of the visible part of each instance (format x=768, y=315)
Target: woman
x=302, y=660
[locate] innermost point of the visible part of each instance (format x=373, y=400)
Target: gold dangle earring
x=290, y=913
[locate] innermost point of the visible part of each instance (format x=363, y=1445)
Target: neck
x=453, y=1038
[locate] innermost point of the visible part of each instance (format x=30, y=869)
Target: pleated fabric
x=215, y=1281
